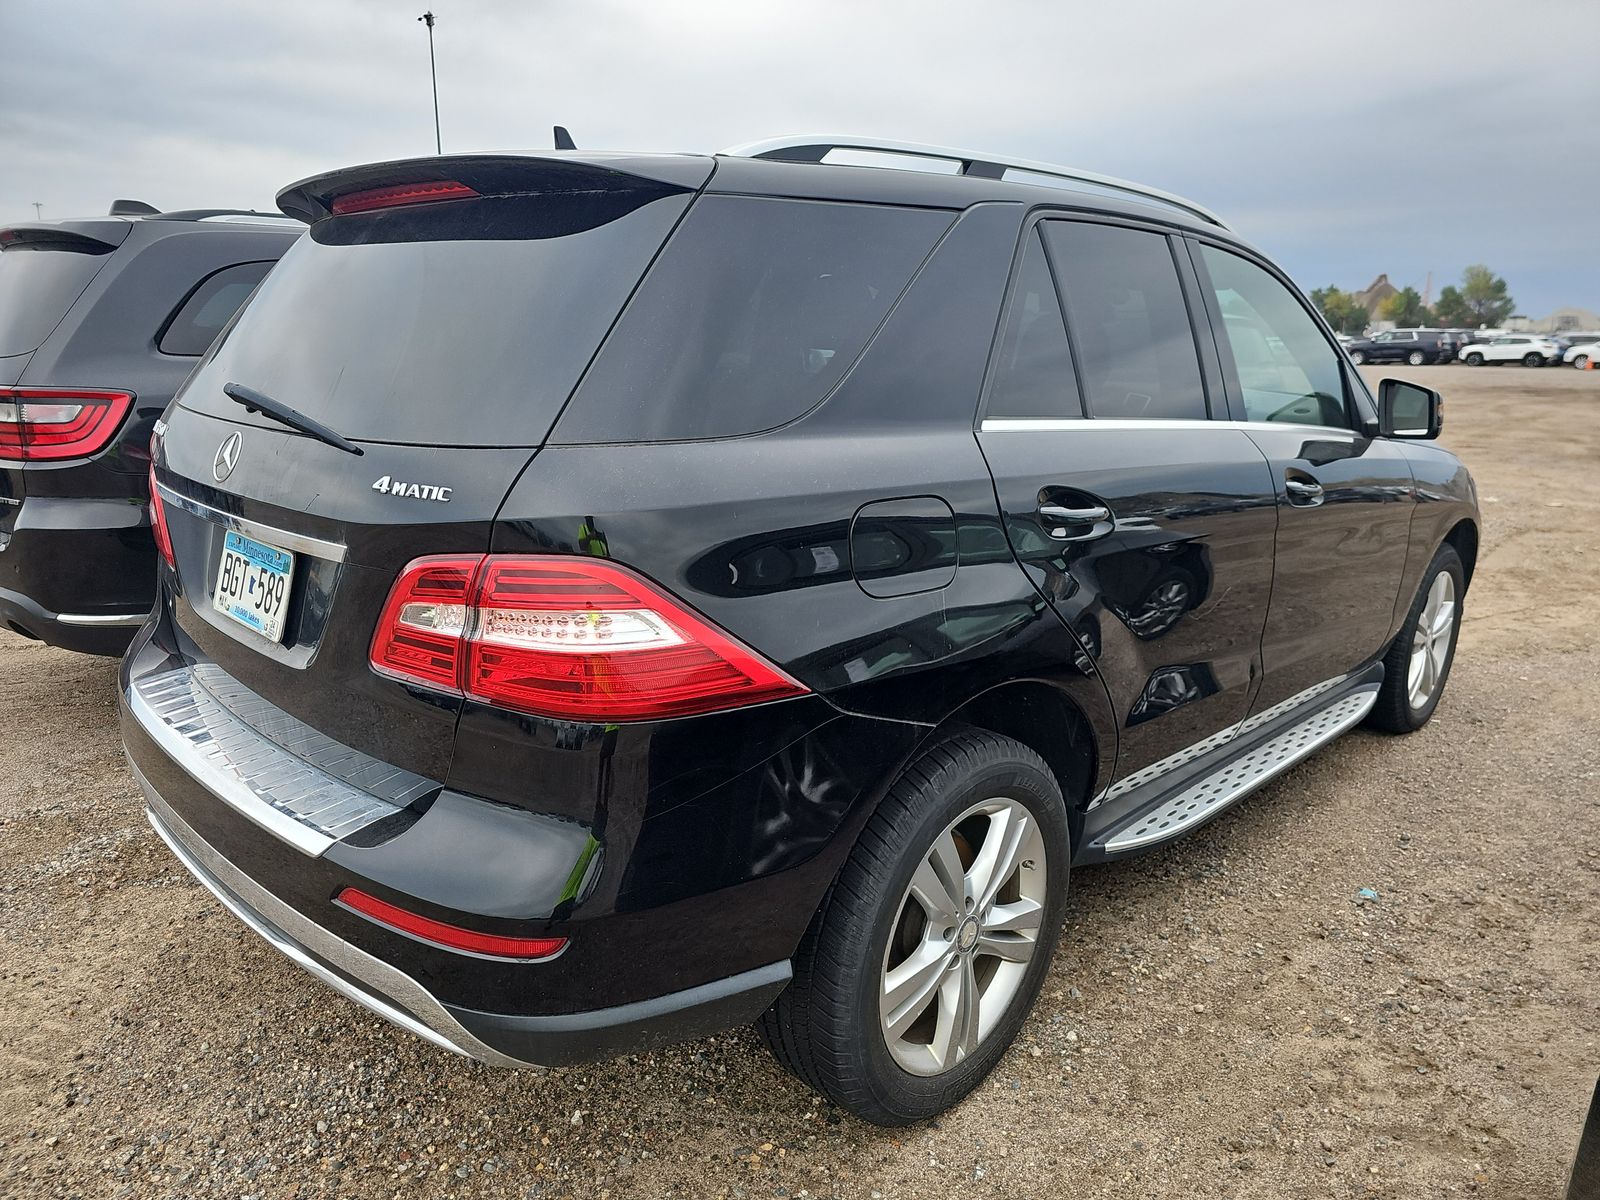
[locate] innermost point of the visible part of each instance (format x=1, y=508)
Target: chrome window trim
x=282, y=538
x=1060, y=424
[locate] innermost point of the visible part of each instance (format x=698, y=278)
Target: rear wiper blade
x=255, y=401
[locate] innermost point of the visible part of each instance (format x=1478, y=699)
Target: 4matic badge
x=412, y=491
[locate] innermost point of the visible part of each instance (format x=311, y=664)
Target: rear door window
x=209, y=307
x=1128, y=320
x=38, y=284
x=1033, y=377
x=754, y=312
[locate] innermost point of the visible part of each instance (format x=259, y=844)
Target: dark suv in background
x=1413, y=346
x=609, y=598
x=100, y=320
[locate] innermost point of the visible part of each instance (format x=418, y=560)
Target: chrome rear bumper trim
x=294, y=782
x=395, y=997
x=112, y=620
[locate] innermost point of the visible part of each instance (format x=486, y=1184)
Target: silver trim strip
x=294, y=782
x=967, y=158
x=96, y=620
x=282, y=538
x=292, y=934
x=1155, y=770
x=1052, y=425
x=1239, y=777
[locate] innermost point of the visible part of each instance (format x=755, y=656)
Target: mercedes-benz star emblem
x=227, y=457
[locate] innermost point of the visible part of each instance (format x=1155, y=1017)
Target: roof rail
x=816, y=148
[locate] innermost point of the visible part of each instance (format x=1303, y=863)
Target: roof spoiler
x=53, y=237
x=496, y=175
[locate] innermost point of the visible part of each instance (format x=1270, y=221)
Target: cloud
x=1342, y=152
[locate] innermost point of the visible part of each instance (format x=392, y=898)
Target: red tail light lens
x=158, y=522
x=50, y=424
x=573, y=638
x=401, y=195
x=419, y=637
x=451, y=937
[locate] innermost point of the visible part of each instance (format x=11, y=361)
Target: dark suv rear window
x=38, y=284
x=459, y=324
x=756, y=309
x=208, y=308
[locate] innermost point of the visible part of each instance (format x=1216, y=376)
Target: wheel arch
x=1463, y=537
x=1047, y=721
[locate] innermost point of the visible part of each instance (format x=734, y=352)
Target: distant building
x=1560, y=321
x=1379, y=290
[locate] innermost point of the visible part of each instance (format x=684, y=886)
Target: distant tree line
x=1481, y=300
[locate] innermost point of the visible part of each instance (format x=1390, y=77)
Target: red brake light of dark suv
x=573, y=638
x=400, y=195
x=52, y=424
x=158, y=522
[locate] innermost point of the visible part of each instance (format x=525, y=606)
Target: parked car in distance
x=100, y=320
x=651, y=596
x=1527, y=349
x=1413, y=346
x=1581, y=353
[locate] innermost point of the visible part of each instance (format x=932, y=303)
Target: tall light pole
x=38, y=211
x=433, y=72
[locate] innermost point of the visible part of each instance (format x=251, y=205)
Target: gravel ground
x=1226, y=1016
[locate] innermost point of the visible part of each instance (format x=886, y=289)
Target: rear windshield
x=458, y=324
x=38, y=284
x=755, y=310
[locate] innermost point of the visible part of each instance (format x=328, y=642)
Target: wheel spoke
x=957, y=1033
x=909, y=988
x=998, y=857
x=1020, y=916
x=1012, y=947
x=1443, y=619
x=938, y=884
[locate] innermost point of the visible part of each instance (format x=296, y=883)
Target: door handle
x=1060, y=521
x=1303, y=491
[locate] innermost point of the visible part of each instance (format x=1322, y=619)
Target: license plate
x=253, y=584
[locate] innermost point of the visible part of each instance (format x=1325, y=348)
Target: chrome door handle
x=1059, y=521
x=1303, y=491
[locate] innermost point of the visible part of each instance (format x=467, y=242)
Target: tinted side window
x=1129, y=323
x=1288, y=370
x=1033, y=371
x=754, y=311
x=209, y=307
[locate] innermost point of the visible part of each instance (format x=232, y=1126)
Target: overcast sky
x=1346, y=140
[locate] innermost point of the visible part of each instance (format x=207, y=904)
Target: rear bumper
x=79, y=574
x=497, y=1039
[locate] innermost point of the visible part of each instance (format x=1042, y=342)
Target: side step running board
x=1238, y=777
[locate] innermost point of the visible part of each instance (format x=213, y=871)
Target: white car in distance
x=1529, y=350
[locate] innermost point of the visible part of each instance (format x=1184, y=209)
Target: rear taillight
x=50, y=424
x=158, y=522
x=401, y=195
x=574, y=638
x=451, y=937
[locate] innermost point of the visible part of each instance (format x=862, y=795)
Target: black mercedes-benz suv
x=100, y=321
x=611, y=598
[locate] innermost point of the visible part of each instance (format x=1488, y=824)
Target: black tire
x=1533, y=360
x=825, y=1027
x=1358, y=357
x=1394, y=712
x=1416, y=358
x=1581, y=361
x=1474, y=360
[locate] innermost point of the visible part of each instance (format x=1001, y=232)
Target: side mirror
x=1409, y=410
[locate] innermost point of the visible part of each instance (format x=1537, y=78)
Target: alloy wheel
x=1431, y=641
x=964, y=934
